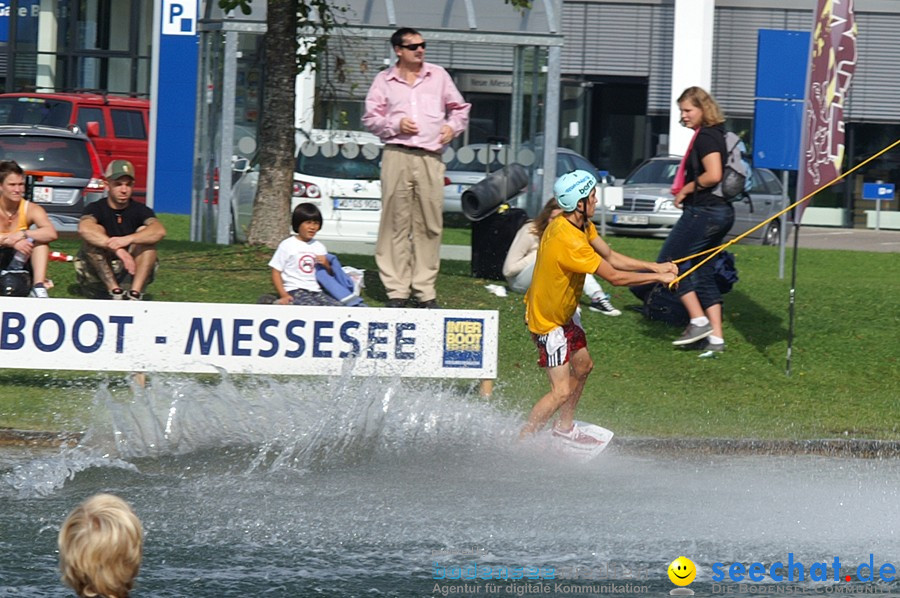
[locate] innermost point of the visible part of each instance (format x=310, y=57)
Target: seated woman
x=519, y=264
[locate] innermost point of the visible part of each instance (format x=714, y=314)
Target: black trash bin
x=494, y=223
x=491, y=238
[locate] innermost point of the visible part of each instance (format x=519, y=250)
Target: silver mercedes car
x=648, y=210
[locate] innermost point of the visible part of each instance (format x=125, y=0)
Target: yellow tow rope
x=715, y=250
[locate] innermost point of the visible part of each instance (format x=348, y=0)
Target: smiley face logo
x=682, y=571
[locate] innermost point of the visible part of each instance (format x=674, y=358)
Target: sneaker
x=133, y=295
x=604, y=307
x=117, y=294
x=711, y=350
x=357, y=276
x=39, y=291
x=395, y=303
x=692, y=334
x=577, y=437
x=430, y=304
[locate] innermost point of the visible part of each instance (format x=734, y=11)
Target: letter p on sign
x=179, y=17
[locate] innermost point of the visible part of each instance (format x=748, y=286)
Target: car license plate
x=42, y=194
x=350, y=203
x=461, y=188
x=631, y=219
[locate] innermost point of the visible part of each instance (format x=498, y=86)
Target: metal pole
x=226, y=142
x=518, y=93
x=793, y=293
x=878, y=213
x=201, y=136
x=782, y=229
x=603, y=175
x=551, y=124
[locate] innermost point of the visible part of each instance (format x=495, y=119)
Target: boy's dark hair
x=397, y=37
x=8, y=167
x=303, y=212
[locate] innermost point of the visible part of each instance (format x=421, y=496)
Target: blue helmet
x=572, y=187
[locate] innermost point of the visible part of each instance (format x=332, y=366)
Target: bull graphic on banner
x=832, y=64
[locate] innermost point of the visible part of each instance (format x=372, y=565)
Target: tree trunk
x=271, y=221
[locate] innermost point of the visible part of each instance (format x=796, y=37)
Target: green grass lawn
x=845, y=382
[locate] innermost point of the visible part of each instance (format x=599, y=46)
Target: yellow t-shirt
x=564, y=256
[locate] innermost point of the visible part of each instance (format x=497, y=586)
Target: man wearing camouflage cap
x=118, y=256
x=570, y=248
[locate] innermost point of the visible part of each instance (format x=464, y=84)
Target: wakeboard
x=576, y=450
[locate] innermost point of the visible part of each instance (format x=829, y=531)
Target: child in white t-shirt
x=304, y=273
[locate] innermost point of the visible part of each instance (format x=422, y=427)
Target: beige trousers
x=412, y=218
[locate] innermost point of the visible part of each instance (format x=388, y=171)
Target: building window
x=77, y=45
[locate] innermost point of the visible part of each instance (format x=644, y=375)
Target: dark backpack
x=661, y=304
x=725, y=271
x=15, y=283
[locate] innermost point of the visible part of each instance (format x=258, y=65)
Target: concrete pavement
x=448, y=252
x=853, y=239
x=811, y=237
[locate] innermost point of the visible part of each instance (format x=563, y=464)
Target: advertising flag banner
x=832, y=64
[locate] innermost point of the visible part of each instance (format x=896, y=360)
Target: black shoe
x=395, y=303
x=430, y=304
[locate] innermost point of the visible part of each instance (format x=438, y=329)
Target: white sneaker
x=39, y=293
x=577, y=437
x=358, y=278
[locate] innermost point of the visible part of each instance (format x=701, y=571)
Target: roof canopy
x=480, y=21
x=473, y=21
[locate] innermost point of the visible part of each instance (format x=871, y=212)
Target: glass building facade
x=76, y=45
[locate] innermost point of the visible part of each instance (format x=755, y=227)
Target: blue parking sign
x=878, y=191
x=179, y=17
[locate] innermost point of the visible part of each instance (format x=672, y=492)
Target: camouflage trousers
x=91, y=283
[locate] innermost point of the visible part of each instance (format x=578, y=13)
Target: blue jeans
x=698, y=229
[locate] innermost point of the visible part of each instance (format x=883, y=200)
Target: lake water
x=385, y=488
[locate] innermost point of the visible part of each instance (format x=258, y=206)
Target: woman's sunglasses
x=413, y=47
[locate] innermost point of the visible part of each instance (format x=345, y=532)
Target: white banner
x=80, y=334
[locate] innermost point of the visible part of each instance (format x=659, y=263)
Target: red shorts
x=557, y=346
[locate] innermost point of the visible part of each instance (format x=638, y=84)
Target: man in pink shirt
x=415, y=108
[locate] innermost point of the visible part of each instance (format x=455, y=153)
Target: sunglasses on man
x=413, y=47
